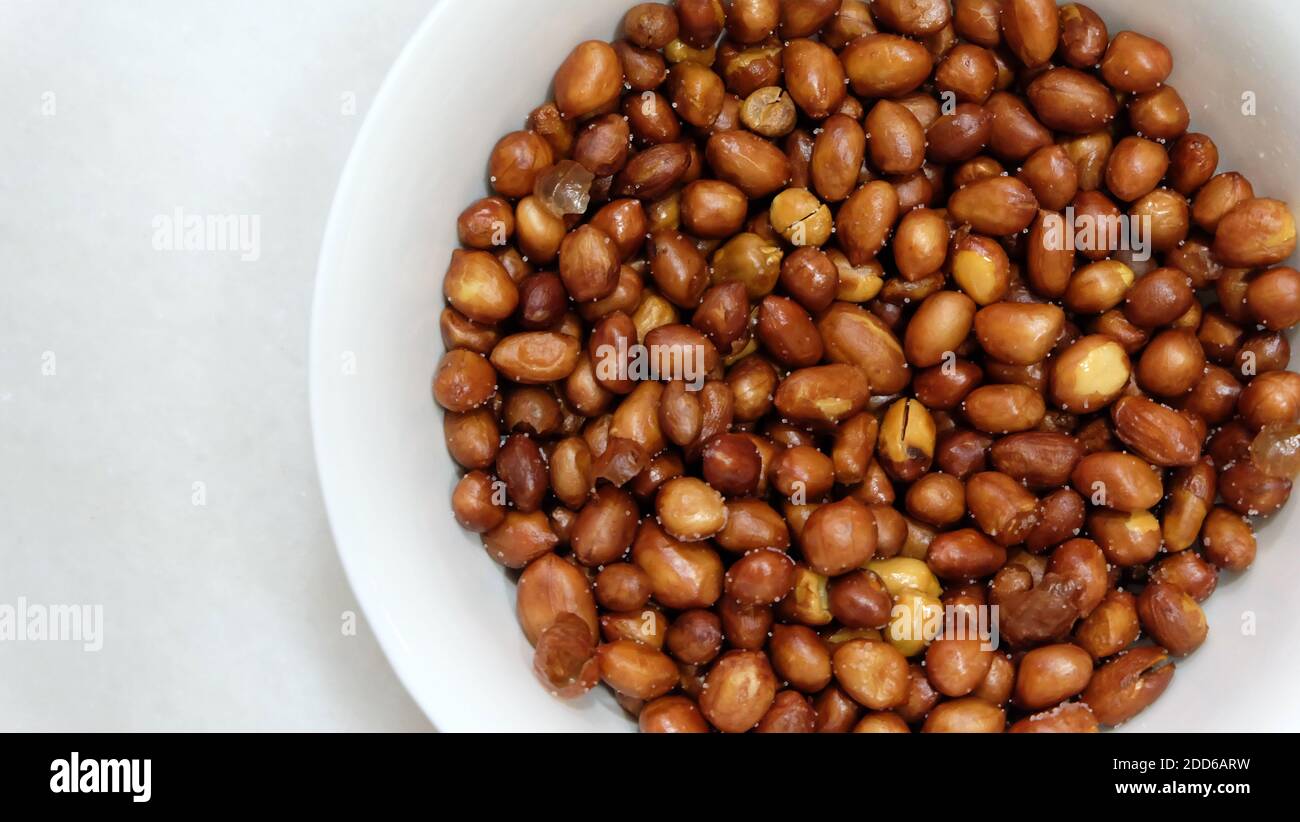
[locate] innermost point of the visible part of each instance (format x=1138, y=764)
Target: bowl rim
x=332, y=239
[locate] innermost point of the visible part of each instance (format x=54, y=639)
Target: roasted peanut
x=712, y=208
x=1229, y=540
x=1019, y=333
x=966, y=715
x=605, y=527
x=643, y=69
x=1157, y=432
x=536, y=357
x=1135, y=63
x=980, y=266
x=1272, y=398
x=1031, y=29
x=549, y=587
x=907, y=440
x=968, y=71
x=689, y=509
x=1083, y=36
x=959, y=135
x=761, y=577
x=800, y=657
x=478, y=286
x=1004, y=409
x=673, y=715
x=1015, y=133
x=653, y=173
x=855, y=336
x=748, y=162
x=998, y=206
x=589, y=80
x=1038, y=459
x=515, y=162
x=865, y=220
x=956, y=667
x=938, y=499
x=1111, y=627
x=738, y=691
x=622, y=586
x=1191, y=493
x=473, y=503
x=1117, y=480
x=881, y=722
x=790, y=713
x=873, y=673
x=752, y=21
x=473, y=438
x=1171, y=363
x=1125, y=686
x=1098, y=287
x=1187, y=571
x=635, y=669
x=749, y=259
x=565, y=658
x=939, y=327
x=895, y=139
x=1061, y=515
x=1001, y=507
x=1066, y=99
x=1127, y=539
x=839, y=537
x=1081, y=564
x=814, y=76
x=1172, y=618
x=1051, y=674
x=977, y=21
x=1090, y=374
x=1250, y=491
x=464, y=381
x=822, y=394
x=522, y=468
x=520, y=539
x=885, y=65
x=1273, y=298
x=682, y=575
x=1073, y=717
x=943, y=387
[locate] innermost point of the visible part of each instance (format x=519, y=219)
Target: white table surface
x=172, y=368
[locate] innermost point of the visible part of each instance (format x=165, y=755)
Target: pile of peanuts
x=913, y=401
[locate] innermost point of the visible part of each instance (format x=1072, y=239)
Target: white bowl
x=443, y=611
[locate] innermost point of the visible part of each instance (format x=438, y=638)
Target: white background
x=176, y=368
